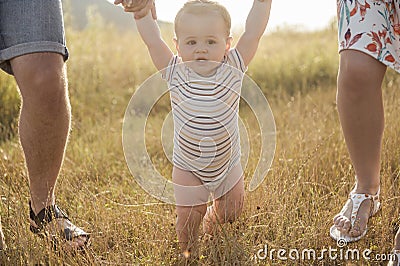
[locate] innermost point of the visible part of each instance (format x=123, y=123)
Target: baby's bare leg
x=187, y=227
x=191, y=205
x=226, y=208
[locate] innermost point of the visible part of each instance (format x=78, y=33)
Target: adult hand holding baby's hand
x=140, y=8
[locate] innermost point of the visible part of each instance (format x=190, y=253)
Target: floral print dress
x=372, y=27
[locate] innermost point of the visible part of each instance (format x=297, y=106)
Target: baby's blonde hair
x=202, y=7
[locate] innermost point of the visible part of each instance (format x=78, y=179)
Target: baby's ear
x=176, y=45
x=229, y=41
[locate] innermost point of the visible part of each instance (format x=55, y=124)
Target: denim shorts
x=30, y=26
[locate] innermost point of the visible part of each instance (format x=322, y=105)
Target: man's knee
x=47, y=83
x=41, y=79
x=47, y=92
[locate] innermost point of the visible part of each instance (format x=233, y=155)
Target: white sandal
x=356, y=200
x=395, y=262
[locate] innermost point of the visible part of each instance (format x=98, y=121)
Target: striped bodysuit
x=205, y=114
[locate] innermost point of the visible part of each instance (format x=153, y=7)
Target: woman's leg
x=360, y=107
x=397, y=240
x=3, y=245
x=191, y=205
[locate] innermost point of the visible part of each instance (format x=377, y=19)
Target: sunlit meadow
x=308, y=183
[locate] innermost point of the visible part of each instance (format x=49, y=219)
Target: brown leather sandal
x=40, y=222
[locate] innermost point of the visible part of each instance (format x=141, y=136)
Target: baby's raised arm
x=150, y=33
x=255, y=26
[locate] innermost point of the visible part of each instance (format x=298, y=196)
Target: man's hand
x=140, y=8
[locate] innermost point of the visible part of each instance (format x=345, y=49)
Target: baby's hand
x=140, y=8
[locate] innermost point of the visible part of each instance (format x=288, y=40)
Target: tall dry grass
x=293, y=208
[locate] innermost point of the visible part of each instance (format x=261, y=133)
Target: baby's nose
x=201, y=49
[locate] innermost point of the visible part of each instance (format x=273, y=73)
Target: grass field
x=309, y=180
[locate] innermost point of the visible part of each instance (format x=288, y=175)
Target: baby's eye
x=191, y=42
x=211, y=42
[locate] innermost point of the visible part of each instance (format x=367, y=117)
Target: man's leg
x=44, y=122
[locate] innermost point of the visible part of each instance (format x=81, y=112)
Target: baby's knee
x=230, y=213
x=191, y=212
x=234, y=213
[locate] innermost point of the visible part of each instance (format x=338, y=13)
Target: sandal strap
x=48, y=214
x=358, y=198
x=45, y=216
x=395, y=252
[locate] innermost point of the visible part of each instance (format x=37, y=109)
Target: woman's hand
x=140, y=8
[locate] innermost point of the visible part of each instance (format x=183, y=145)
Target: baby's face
x=202, y=39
